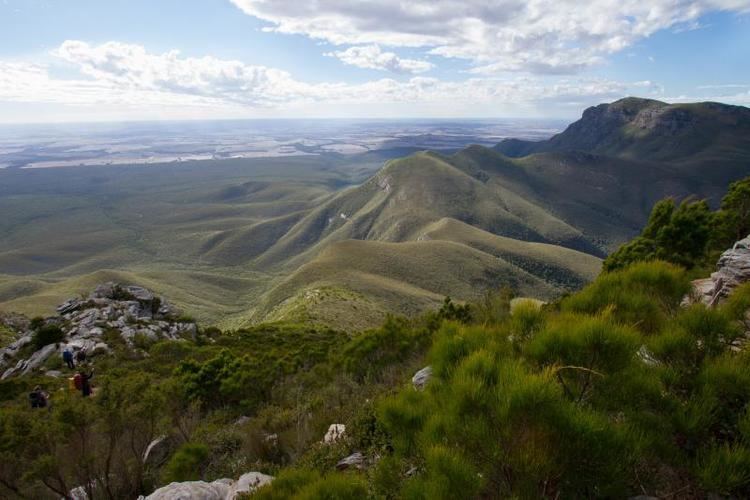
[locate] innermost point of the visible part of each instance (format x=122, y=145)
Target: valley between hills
x=345, y=240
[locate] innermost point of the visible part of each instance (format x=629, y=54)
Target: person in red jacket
x=82, y=382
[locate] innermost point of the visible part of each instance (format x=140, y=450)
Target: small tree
x=48, y=334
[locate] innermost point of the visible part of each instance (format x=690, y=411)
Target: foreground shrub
x=726, y=470
x=642, y=295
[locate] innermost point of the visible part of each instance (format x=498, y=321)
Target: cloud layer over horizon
x=437, y=58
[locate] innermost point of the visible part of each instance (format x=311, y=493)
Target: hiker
x=38, y=398
x=68, y=358
x=82, y=382
x=81, y=356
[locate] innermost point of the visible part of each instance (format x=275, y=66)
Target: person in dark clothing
x=38, y=398
x=68, y=358
x=86, y=383
x=81, y=356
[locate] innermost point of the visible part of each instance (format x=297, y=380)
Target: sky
x=122, y=60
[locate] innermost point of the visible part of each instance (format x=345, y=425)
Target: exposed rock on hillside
x=354, y=461
x=131, y=312
x=648, y=130
x=733, y=269
x=420, y=379
x=221, y=489
x=335, y=432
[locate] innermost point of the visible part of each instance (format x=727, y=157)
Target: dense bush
x=47, y=334
x=732, y=221
x=187, y=463
x=688, y=234
x=642, y=295
x=370, y=352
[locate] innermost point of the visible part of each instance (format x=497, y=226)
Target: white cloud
x=537, y=36
x=127, y=76
x=725, y=86
x=372, y=57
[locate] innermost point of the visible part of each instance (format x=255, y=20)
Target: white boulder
x=335, y=432
x=420, y=379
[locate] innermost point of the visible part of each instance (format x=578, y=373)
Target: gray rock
x=335, y=432
x=732, y=270
x=78, y=493
x=103, y=291
x=702, y=292
x=193, y=490
x=82, y=344
x=69, y=306
x=12, y=350
x=39, y=357
x=355, y=460
x=100, y=348
x=53, y=373
x=646, y=356
x=272, y=439
x=242, y=420
x=140, y=293
x=248, y=483
x=10, y=371
x=421, y=378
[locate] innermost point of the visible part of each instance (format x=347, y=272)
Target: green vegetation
x=244, y=241
x=555, y=401
x=584, y=399
x=47, y=334
x=186, y=464
x=688, y=234
x=610, y=391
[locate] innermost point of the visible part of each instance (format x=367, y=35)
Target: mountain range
x=535, y=216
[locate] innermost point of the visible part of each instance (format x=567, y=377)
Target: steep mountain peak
x=646, y=129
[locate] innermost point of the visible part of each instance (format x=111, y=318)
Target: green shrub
x=526, y=320
x=370, y=352
x=732, y=221
x=187, y=463
x=449, y=311
x=36, y=323
x=287, y=484
x=449, y=475
x=583, y=350
x=737, y=305
x=334, y=487
x=712, y=328
x=494, y=308
x=725, y=470
x=47, y=334
x=677, y=234
x=642, y=295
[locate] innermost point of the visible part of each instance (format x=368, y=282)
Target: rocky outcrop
x=248, y=483
x=130, y=311
x=221, y=489
x=353, y=461
x=335, y=432
x=732, y=270
x=11, y=352
x=192, y=490
x=420, y=379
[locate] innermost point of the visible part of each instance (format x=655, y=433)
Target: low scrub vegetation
x=614, y=391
